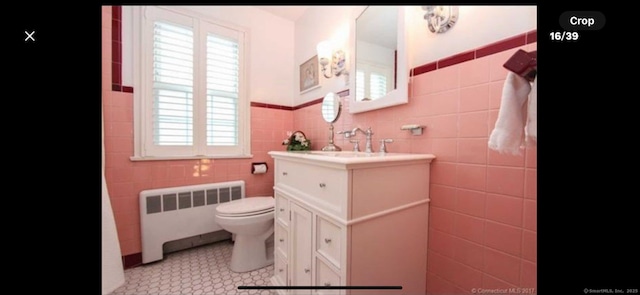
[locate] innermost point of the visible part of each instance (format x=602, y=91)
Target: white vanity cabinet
x=351, y=220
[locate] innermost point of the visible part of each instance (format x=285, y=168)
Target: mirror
x=331, y=107
x=378, y=47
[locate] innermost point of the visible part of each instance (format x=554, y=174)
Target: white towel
x=531, y=130
x=506, y=136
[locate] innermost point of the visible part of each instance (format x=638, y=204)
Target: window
x=190, y=98
x=372, y=81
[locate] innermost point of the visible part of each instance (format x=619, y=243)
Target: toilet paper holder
x=256, y=168
x=415, y=128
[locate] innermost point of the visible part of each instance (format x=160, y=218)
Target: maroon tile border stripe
x=308, y=103
x=116, y=49
x=271, y=106
x=506, y=44
x=424, y=68
x=343, y=93
x=532, y=37
x=456, y=59
x=132, y=260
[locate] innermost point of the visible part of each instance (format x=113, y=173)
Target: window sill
x=138, y=158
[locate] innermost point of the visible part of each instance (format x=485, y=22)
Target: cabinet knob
x=281, y=240
x=326, y=240
x=322, y=185
x=306, y=270
x=281, y=209
x=281, y=270
x=284, y=173
x=327, y=284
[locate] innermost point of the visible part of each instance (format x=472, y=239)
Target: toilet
x=250, y=220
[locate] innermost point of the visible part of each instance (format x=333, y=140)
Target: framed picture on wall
x=309, y=75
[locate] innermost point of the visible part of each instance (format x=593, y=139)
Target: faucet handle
x=383, y=146
x=356, y=144
x=346, y=133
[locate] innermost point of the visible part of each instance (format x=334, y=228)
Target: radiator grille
x=174, y=213
x=188, y=199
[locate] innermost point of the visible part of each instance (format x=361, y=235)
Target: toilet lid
x=247, y=206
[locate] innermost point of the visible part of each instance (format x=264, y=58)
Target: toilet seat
x=246, y=207
x=245, y=214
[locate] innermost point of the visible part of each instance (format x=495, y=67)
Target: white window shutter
x=172, y=85
x=360, y=86
x=377, y=85
x=222, y=91
x=371, y=82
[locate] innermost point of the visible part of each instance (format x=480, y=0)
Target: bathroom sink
x=347, y=154
x=351, y=157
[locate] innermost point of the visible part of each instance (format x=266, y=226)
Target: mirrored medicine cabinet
x=380, y=78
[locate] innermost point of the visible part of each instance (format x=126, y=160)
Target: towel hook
x=524, y=64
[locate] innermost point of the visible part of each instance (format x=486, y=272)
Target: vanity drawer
x=329, y=240
x=326, y=276
x=281, y=240
x=280, y=270
x=282, y=209
x=325, y=185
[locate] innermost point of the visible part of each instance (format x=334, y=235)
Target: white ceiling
x=288, y=12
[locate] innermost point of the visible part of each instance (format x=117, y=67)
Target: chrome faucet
x=348, y=134
x=383, y=146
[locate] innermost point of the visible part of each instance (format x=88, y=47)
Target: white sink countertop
x=350, y=157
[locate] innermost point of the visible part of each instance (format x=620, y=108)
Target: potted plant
x=297, y=141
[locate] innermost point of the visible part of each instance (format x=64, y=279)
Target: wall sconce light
x=328, y=55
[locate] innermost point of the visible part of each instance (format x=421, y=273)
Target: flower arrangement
x=297, y=141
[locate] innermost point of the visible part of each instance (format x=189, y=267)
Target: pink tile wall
x=482, y=222
x=125, y=179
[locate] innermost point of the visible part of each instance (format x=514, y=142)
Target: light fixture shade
x=325, y=50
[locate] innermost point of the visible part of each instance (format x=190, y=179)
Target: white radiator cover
x=169, y=214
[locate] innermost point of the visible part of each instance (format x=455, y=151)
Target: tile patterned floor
x=201, y=270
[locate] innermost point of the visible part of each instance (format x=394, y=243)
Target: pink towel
x=507, y=135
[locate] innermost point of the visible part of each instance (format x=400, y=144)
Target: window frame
x=144, y=149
